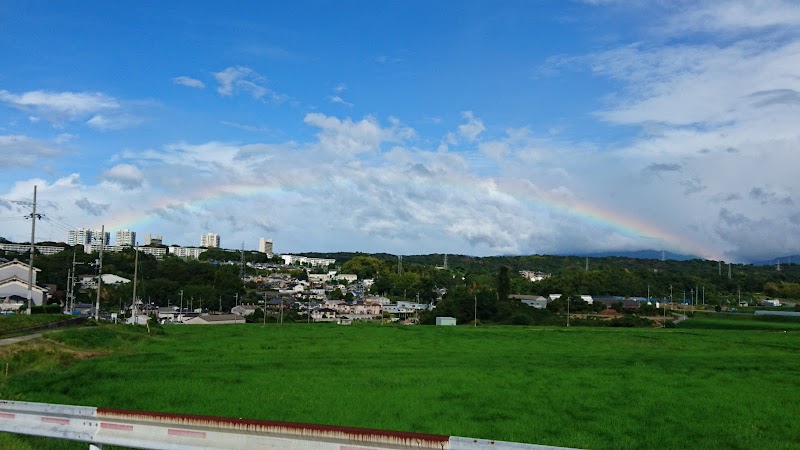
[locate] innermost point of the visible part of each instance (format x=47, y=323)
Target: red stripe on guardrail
x=186, y=433
x=7, y=416
x=55, y=420
x=268, y=425
x=116, y=426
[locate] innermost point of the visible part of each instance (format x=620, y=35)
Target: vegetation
x=22, y=321
x=214, y=281
x=577, y=387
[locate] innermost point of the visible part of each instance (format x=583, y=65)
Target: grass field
x=577, y=387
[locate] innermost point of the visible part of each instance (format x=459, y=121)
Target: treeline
x=604, y=276
x=160, y=282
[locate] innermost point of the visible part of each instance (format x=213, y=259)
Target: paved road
x=680, y=318
x=14, y=340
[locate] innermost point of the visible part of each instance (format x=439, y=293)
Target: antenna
x=445, y=261
x=778, y=267
x=399, y=264
x=663, y=256
x=729, y=271
x=587, y=264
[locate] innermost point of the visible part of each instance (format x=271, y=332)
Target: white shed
x=445, y=321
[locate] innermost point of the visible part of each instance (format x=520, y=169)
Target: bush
x=49, y=309
x=520, y=319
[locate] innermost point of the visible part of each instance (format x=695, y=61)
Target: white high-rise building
x=82, y=236
x=153, y=240
x=265, y=245
x=209, y=240
x=125, y=238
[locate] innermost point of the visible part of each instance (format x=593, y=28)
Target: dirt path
x=14, y=340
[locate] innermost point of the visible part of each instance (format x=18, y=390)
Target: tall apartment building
x=125, y=238
x=82, y=236
x=265, y=245
x=154, y=241
x=209, y=240
x=186, y=252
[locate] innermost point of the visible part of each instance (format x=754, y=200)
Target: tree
x=363, y=266
x=503, y=283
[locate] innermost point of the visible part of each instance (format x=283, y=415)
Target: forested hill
x=552, y=264
x=605, y=276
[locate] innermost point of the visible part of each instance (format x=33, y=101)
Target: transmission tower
x=241, y=264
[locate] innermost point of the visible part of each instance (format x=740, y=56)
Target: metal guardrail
x=147, y=430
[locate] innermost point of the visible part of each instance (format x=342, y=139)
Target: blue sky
x=408, y=127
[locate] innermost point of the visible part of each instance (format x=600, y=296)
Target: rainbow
x=626, y=225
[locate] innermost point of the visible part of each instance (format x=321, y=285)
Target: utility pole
x=72, y=285
x=567, y=312
x=180, y=312
x=475, y=321
x=135, y=277
x=100, y=272
x=33, y=217
x=69, y=278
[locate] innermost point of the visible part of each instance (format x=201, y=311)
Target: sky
x=407, y=127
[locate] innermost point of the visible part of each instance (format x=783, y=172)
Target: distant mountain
x=641, y=254
x=792, y=259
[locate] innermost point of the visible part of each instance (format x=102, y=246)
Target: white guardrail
x=148, y=430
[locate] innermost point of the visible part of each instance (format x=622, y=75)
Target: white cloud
x=24, y=151
x=59, y=107
x=472, y=128
x=339, y=100
x=738, y=15
x=698, y=84
x=126, y=176
x=189, y=82
x=113, y=122
x=349, y=137
x=243, y=80
x=64, y=138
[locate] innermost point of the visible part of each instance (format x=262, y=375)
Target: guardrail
x=148, y=430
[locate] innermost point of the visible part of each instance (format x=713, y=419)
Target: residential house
x=14, y=284
x=244, y=310
x=534, y=275
x=536, y=301
x=215, y=319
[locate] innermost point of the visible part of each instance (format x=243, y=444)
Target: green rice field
x=601, y=388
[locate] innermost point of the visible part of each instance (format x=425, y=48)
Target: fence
x=136, y=429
